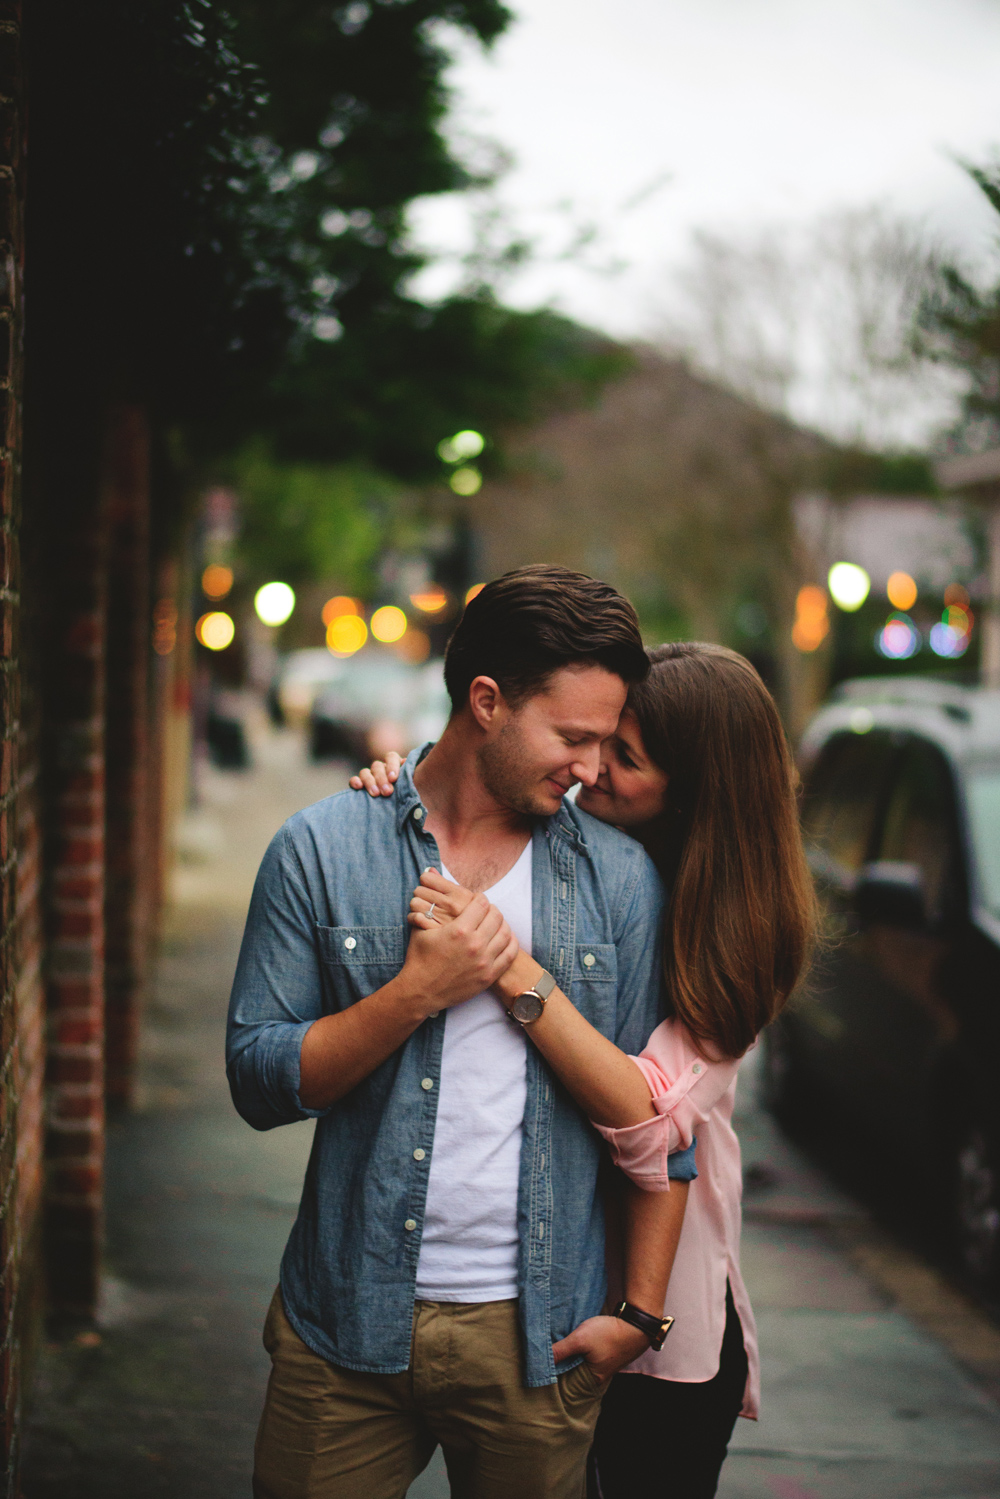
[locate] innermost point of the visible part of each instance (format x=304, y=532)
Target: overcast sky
x=758, y=111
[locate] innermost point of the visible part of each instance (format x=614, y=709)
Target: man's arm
x=444, y=966
x=652, y=1224
x=279, y=1071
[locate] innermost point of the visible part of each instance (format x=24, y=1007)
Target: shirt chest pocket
x=360, y=959
x=595, y=981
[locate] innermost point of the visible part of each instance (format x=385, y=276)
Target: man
x=451, y=1228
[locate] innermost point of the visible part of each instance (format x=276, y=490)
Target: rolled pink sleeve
x=685, y=1087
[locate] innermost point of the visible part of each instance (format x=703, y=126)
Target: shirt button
x=418, y=815
x=696, y=1068
x=350, y=943
x=589, y=960
x=419, y=1154
x=410, y=1225
x=427, y=1084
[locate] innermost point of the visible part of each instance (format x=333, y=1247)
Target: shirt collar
x=564, y=823
x=407, y=797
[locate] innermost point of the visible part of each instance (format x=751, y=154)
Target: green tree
x=962, y=320
x=237, y=256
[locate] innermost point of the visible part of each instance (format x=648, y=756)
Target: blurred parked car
x=299, y=677
x=896, y=1035
x=378, y=703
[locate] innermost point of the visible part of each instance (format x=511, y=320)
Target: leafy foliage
x=218, y=227
x=963, y=319
x=302, y=521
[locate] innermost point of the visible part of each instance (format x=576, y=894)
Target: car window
x=919, y=826
x=841, y=802
x=983, y=790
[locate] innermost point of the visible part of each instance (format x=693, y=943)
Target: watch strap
x=544, y=985
x=655, y=1328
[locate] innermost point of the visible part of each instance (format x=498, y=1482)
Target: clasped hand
x=460, y=950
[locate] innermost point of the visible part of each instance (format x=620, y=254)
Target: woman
x=699, y=772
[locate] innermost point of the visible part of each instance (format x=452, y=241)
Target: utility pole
x=977, y=477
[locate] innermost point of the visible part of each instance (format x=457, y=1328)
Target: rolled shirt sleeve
x=277, y=994
x=685, y=1087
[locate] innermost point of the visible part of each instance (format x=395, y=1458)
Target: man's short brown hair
x=526, y=625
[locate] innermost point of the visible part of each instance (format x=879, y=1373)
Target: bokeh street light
x=901, y=591
x=849, y=585
x=216, y=581
x=215, y=630
x=339, y=604
x=899, y=638
x=466, y=481
x=345, y=634
x=812, y=618
x=389, y=624
x=432, y=600
x=466, y=444
x=274, y=603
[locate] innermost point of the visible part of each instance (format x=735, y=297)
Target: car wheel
x=977, y=1206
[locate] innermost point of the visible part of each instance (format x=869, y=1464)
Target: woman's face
x=630, y=788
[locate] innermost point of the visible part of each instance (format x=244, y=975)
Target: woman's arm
x=607, y=1084
x=652, y=1223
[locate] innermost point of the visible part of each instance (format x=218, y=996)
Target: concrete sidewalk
x=860, y=1399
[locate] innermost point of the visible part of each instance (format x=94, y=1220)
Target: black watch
x=655, y=1328
x=529, y=1005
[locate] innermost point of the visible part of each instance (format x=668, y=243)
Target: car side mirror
x=891, y=893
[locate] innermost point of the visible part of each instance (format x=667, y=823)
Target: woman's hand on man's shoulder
x=379, y=778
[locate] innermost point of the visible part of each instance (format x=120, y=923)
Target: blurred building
x=712, y=514
x=679, y=492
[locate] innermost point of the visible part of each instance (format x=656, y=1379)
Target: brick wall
x=93, y=746
x=130, y=881
x=74, y=790
x=21, y=1051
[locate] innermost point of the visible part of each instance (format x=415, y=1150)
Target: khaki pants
x=331, y=1433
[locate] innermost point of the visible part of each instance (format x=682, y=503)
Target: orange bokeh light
x=216, y=581
x=474, y=592
x=338, y=606
x=345, y=634
x=812, y=618
x=901, y=591
x=430, y=600
x=215, y=631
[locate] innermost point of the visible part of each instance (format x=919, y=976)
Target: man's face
x=534, y=753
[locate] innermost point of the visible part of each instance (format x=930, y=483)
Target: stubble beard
x=504, y=768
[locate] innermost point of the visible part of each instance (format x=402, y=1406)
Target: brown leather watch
x=528, y=1005
x=655, y=1328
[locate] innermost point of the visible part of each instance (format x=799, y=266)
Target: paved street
x=875, y=1372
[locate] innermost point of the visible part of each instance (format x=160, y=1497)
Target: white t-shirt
x=469, y=1247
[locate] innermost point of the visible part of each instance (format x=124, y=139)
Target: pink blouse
x=693, y=1097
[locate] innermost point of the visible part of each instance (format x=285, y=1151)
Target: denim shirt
x=327, y=926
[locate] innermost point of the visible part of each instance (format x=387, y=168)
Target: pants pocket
x=581, y=1384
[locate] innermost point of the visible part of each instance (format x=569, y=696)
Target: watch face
x=526, y=1008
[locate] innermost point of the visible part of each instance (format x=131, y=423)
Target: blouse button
x=589, y=960
x=419, y=814
x=419, y=1154
x=410, y=1225
x=427, y=1084
x=696, y=1068
x=350, y=943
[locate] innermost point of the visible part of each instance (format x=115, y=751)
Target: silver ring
x=431, y=910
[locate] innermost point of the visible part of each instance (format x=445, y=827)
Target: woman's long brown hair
x=741, y=916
